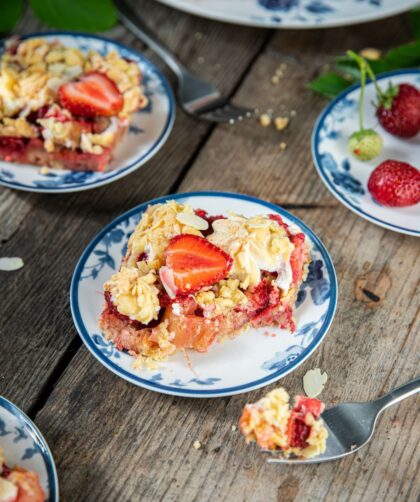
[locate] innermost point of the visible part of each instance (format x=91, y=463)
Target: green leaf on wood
x=10, y=12
x=80, y=15
x=330, y=84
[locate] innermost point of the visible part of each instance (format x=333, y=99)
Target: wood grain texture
x=116, y=442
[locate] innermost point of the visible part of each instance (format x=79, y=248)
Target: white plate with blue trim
x=249, y=361
x=148, y=131
x=293, y=13
x=347, y=177
x=25, y=446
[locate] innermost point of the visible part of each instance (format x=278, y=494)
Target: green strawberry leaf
x=405, y=56
x=414, y=20
x=80, y=15
x=330, y=84
x=11, y=11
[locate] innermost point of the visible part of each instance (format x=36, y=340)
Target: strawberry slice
x=92, y=95
x=192, y=262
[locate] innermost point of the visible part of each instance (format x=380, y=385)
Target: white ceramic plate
x=293, y=13
x=345, y=176
x=25, y=446
x=251, y=360
x=148, y=131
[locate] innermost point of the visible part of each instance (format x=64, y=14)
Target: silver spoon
x=351, y=425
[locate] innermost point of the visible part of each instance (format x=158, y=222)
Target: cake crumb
x=200, y=60
x=44, y=170
x=293, y=113
x=283, y=146
x=233, y=428
x=283, y=66
x=371, y=53
x=281, y=123
x=265, y=120
x=197, y=445
x=275, y=79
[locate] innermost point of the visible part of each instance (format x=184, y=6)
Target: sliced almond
x=314, y=382
x=192, y=220
x=10, y=264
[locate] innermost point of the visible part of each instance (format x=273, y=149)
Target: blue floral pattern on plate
x=293, y=13
x=147, y=133
x=24, y=445
x=267, y=358
x=345, y=176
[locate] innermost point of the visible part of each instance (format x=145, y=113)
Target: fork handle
x=132, y=22
x=400, y=393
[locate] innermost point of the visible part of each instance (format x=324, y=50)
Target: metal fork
x=351, y=425
x=196, y=96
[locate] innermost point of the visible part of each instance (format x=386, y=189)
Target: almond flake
x=10, y=264
x=313, y=382
x=192, y=220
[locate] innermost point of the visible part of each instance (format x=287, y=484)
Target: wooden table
x=113, y=441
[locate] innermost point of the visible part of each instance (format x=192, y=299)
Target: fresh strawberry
x=92, y=95
x=306, y=405
x=395, y=183
x=192, y=262
x=398, y=110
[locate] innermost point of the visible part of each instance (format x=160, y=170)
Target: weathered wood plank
x=142, y=441
x=101, y=427
x=50, y=232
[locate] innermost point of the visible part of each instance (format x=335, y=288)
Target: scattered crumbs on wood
x=293, y=113
x=200, y=60
x=395, y=422
x=265, y=120
x=233, y=428
x=197, y=445
x=281, y=123
x=353, y=446
x=371, y=53
x=198, y=35
x=283, y=146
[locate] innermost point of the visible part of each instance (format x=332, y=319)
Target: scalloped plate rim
x=119, y=173
x=49, y=460
x=172, y=390
x=324, y=178
x=250, y=21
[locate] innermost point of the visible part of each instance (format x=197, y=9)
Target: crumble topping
x=30, y=77
x=273, y=411
x=158, y=224
x=255, y=244
x=135, y=295
x=224, y=296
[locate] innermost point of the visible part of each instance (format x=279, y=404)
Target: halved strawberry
x=92, y=95
x=192, y=262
